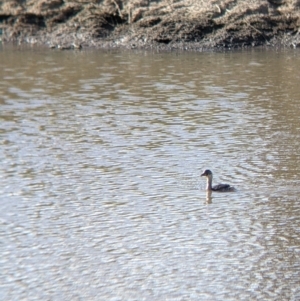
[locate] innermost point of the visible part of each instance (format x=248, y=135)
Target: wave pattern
x=100, y=189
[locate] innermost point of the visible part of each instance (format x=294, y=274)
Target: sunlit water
x=100, y=195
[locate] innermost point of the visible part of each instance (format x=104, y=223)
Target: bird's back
x=222, y=187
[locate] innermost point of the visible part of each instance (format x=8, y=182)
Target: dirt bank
x=165, y=24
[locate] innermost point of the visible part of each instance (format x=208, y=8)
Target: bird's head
x=206, y=173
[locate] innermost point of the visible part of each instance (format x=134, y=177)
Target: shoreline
x=164, y=25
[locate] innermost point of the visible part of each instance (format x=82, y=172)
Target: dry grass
x=145, y=22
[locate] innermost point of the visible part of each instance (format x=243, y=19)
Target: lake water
x=101, y=153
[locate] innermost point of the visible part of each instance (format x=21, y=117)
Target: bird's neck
x=209, y=183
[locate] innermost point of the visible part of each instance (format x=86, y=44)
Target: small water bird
x=220, y=187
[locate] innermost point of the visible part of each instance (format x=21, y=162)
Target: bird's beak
x=202, y=175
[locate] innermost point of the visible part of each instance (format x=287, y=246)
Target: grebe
x=220, y=187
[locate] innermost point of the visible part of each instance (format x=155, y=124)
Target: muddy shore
x=148, y=24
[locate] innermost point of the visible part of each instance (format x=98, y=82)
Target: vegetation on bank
x=165, y=24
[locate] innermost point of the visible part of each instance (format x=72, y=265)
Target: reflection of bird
x=220, y=187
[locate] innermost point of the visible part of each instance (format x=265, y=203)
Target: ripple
x=101, y=194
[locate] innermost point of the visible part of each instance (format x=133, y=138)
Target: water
x=100, y=192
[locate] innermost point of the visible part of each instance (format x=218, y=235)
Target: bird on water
x=220, y=187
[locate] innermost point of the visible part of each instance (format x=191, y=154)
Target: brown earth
x=151, y=24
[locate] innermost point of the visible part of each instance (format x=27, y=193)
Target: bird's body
x=220, y=187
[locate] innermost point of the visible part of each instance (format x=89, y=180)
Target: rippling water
x=100, y=192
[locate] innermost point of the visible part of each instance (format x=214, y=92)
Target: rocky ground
x=151, y=24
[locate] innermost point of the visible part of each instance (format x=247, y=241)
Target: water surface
x=100, y=195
